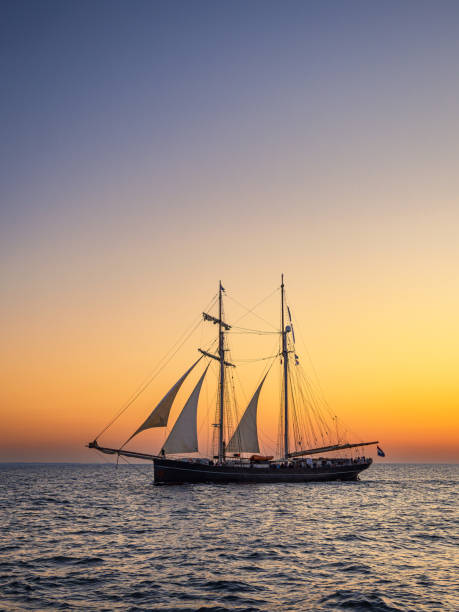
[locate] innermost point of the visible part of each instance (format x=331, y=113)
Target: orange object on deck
x=260, y=458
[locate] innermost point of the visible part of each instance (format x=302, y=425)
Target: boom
x=121, y=452
x=324, y=449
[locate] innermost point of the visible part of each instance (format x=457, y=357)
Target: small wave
x=428, y=536
x=82, y=580
x=260, y=554
x=229, y=586
x=252, y=568
x=358, y=568
x=351, y=537
x=52, y=500
x=203, y=609
x=89, y=561
x=239, y=603
x=65, y=560
x=358, y=601
x=55, y=559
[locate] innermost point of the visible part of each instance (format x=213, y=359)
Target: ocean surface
x=93, y=537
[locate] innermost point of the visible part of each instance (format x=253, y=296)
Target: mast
x=285, y=360
x=221, y=353
x=222, y=328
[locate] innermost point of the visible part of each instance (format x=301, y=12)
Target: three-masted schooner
x=238, y=459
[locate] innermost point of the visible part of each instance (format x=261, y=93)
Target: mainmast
x=221, y=353
x=285, y=362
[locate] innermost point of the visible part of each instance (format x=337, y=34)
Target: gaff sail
x=245, y=437
x=183, y=437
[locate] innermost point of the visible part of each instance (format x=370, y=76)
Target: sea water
x=94, y=537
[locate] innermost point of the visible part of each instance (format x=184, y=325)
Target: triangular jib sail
x=183, y=437
x=245, y=437
x=159, y=416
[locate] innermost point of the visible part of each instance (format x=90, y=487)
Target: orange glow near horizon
x=62, y=388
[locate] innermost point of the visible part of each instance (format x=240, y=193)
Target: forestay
x=183, y=437
x=245, y=437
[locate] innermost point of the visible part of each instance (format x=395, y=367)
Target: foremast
x=221, y=354
x=222, y=328
x=285, y=364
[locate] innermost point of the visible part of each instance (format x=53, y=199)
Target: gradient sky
x=149, y=149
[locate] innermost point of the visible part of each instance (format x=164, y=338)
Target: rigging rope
x=157, y=369
x=247, y=330
x=251, y=310
x=256, y=359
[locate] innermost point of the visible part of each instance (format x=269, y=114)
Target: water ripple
x=99, y=538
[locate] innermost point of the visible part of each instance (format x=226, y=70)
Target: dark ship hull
x=170, y=471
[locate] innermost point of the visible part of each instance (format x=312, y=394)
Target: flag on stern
x=380, y=451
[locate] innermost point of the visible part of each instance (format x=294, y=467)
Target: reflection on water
x=95, y=537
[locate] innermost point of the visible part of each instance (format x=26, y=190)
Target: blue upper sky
x=95, y=91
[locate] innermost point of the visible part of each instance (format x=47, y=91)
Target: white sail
x=159, y=416
x=183, y=437
x=245, y=437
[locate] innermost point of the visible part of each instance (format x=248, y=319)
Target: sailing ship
x=237, y=458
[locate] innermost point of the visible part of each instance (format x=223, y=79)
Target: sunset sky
x=149, y=149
